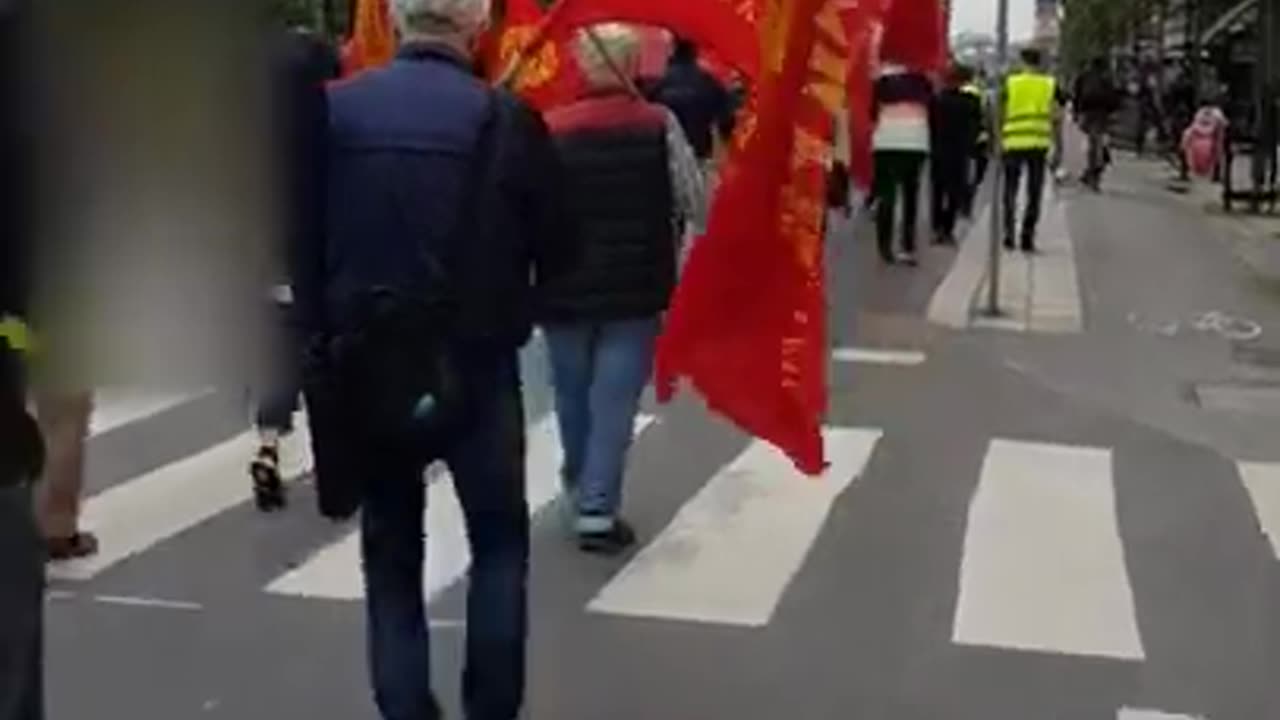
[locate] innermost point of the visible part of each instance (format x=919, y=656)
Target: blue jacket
x=402, y=152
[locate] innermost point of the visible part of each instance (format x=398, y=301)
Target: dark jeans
x=486, y=456
x=897, y=171
x=981, y=158
x=950, y=191
x=1035, y=163
x=21, y=605
x=277, y=398
x=1096, y=152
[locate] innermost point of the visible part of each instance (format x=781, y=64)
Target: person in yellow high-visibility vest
x=1031, y=103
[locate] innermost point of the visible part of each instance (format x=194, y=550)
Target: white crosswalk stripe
x=734, y=547
x=334, y=572
x=134, y=516
x=1043, y=566
x=1262, y=480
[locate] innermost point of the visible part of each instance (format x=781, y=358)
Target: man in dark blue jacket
x=437, y=185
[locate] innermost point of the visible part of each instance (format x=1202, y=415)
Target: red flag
x=747, y=324
x=863, y=21
x=914, y=35
x=725, y=27
x=548, y=74
x=373, y=40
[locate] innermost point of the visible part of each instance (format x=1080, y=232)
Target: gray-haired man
x=442, y=195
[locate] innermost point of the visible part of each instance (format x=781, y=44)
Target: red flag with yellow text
x=373, y=39
x=747, y=323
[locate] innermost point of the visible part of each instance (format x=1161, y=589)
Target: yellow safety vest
x=15, y=334
x=1028, y=122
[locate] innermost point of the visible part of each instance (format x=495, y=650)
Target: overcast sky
x=980, y=16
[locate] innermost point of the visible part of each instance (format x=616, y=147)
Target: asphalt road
x=1018, y=527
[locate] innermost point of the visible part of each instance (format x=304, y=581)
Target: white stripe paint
x=1262, y=480
x=731, y=551
x=133, y=516
x=1132, y=714
x=878, y=356
x=115, y=408
x=334, y=572
x=145, y=602
x=952, y=302
x=1043, y=568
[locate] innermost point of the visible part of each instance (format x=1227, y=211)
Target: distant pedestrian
x=632, y=184
x=1031, y=112
x=702, y=104
x=1096, y=99
x=1204, y=142
x=901, y=147
x=443, y=197
x=955, y=122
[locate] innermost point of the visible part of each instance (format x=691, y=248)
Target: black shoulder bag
x=399, y=368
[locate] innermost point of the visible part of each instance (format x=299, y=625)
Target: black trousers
x=1035, y=162
x=981, y=159
x=897, y=171
x=950, y=184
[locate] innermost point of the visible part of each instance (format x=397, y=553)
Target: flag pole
x=998, y=194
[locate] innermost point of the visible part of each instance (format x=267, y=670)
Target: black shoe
x=1008, y=245
x=908, y=259
x=613, y=541
x=1029, y=248
x=268, y=486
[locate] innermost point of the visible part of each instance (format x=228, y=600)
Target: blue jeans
x=486, y=458
x=599, y=371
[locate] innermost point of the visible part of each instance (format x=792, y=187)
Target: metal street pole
x=997, y=159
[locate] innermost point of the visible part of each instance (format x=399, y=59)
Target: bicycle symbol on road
x=1228, y=327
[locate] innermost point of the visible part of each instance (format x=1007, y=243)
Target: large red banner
x=747, y=326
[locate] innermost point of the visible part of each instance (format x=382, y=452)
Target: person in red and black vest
x=632, y=181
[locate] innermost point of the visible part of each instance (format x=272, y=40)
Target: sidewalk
x=1255, y=238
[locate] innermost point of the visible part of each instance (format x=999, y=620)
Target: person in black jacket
x=21, y=552
x=704, y=107
x=1096, y=99
x=955, y=122
x=302, y=64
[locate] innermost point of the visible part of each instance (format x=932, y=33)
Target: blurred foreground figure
x=440, y=197
x=632, y=182
x=301, y=63
x=21, y=554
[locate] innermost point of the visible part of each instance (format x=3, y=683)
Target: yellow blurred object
x=15, y=333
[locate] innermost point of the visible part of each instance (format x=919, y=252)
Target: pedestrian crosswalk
x=1034, y=502
x=1044, y=566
